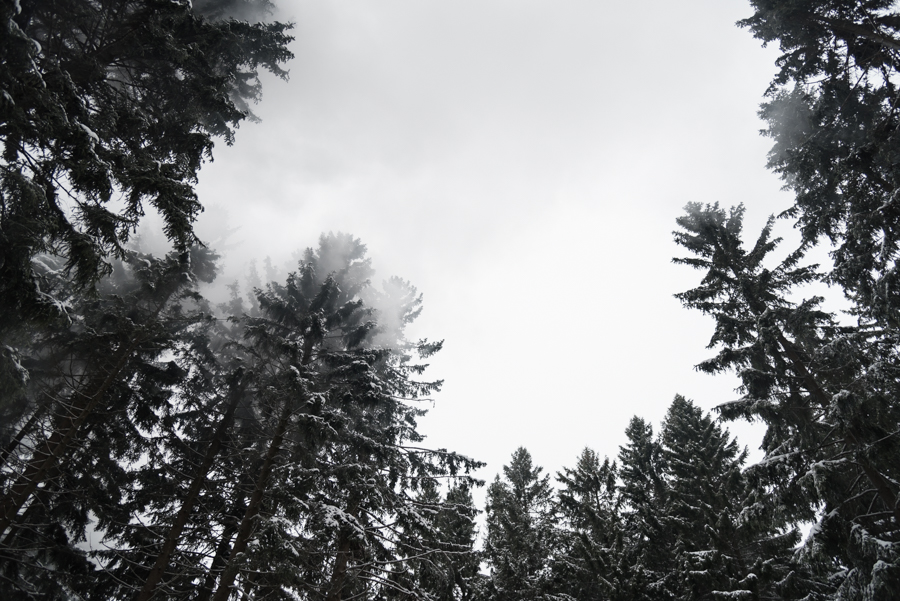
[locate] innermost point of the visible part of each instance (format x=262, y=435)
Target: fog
x=522, y=164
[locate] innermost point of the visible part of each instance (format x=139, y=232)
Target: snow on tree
x=521, y=540
x=832, y=114
x=590, y=508
x=825, y=392
x=107, y=108
x=274, y=454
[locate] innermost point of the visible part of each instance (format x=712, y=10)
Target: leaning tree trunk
x=223, y=549
x=49, y=453
x=248, y=523
x=36, y=415
x=181, y=519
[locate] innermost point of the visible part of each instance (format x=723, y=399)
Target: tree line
x=825, y=387
x=674, y=516
x=155, y=444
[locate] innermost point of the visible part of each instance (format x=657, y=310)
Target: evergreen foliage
x=826, y=393
x=520, y=544
x=593, y=545
x=273, y=455
x=441, y=531
x=644, y=493
x=95, y=386
x=107, y=107
x=153, y=446
x=688, y=527
x=832, y=114
x=676, y=517
x=721, y=549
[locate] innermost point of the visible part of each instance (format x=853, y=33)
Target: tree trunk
x=27, y=516
x=47, y=455
x=847, y=30
x=342, y=559
x=223, y=549
x=249, y=521
x=162, y=560
x=25, y=429
x=339, y=573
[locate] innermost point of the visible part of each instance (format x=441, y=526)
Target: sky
x=522, y=163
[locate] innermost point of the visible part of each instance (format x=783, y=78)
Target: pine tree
x=825, y=392
x=520, y=545
x=100, y=101
x=703, y=472
x=111, y=100
x=832, y=114
x=590, y=508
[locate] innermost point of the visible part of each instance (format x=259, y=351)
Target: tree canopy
x=107, y=109
x=155, y=444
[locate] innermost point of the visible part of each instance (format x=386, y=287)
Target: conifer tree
x=832, y=114
x=338, y=455
x=108, y=107
x=592, y=538
x=720, y=550
x=520, y=545
x=825, y=392
x=644, y=496
x=703, y=473
x=441, y=531
x=96, y=386
x=273, y=455
x=456, y=522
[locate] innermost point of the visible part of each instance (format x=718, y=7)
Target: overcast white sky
x=522, y=163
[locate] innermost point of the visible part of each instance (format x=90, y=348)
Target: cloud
x=522, y=164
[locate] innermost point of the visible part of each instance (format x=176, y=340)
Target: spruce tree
x=832, y=115
x=273, y=455
x=703, y=473
x=644, y=495
x=441, y=533
x=338, y=459
x=456, y=522
x=721, y=549
x=826, y=393
x=98, y=386
x=107, y=108
x=520, y=545
x=590, y=505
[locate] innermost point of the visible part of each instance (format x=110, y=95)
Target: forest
x=156, y=443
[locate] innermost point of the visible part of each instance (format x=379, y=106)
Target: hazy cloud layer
x=522, y=164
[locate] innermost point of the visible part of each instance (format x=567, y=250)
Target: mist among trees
x=156, y=443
